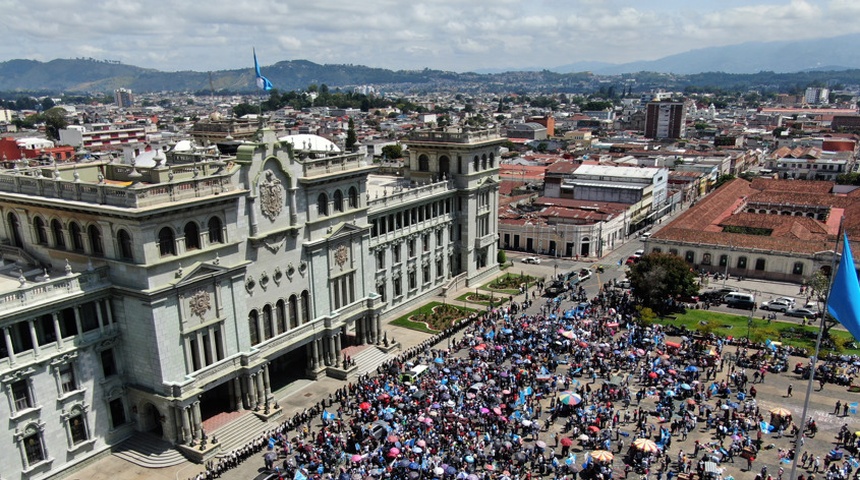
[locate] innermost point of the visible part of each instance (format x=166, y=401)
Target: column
x=337, y=350
x=252, y=392
x=57, y=331
x=107, y=309
x=99, y=316
x=7, y=338
x=210, y=337
x=201, y=360
x=237, y=392
x=78, y=320
x=332, y=353
x=291, y=194
x=186, y=424
x=314, y=353
x=189, y=361
x=261, y=392
x=378, y=323
x=320, y=352
x=252, y=208
x=267, y=383
x=198, y=420
x=176, y=418
x=34, y=337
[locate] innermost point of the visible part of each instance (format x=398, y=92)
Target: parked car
x=639, y=252
x=623, y=283
x=532, y=260
x=777, y=305
x=632, y=259
x=645, y=236
x=801, y=312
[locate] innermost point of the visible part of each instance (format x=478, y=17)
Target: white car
x=645, y=236
x=639, y=252
x=777, y=305
x=533, y=260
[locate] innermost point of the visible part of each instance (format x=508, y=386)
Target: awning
x=711, y=467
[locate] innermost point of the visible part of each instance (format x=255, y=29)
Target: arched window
x=267, y=322
x=759, y=264
x=293, y=311
x=77, y=237
x=192, y=236
x=338, y=201
x=166, y=243
x=322, y=205
x=673, y=251
x=742, y=262
x=96, y=245
x=492, y=160
x=41, y=231
x=484, y=162
x=444, y=165
x=252, y=327
x=57, y=232
x=34, y=449
x=123, y=239
x=798, y=268
x=78, y=426
x=475, y=163
x=306, y=307
x=690, y=256
x=706, y=259
x=282, y=316
x=216, y=235
x=423, y=163
x=353, y=197
x=724, y=260
x=15, y=228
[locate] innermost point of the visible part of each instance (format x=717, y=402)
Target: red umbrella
x=593, y=428
x=566, y=442
x=652, y=375
x=364, y=406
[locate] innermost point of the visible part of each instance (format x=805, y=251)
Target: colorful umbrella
x=645, y=445
x=569, y=398
x=602, y=456
x=364, y=406
x=566, y=442
x=781, y=412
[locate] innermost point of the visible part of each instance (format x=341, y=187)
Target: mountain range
x=749, y=65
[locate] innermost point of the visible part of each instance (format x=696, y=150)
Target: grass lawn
x=427, y=309
x=484, y=298
x=509, y=283
x=726, y=324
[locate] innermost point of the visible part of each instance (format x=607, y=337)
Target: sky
x=458, y=35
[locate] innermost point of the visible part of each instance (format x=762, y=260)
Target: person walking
x=790, y=388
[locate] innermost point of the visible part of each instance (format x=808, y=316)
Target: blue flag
x=844, y=299
x=263, y=83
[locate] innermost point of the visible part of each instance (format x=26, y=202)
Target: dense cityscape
x=361, y=281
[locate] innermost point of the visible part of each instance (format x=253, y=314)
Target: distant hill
x=779, y=57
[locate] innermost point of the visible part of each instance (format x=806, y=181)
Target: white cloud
x=446, y=34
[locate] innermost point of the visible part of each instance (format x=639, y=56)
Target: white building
x=148, y=299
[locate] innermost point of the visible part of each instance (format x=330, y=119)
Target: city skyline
x=443, y=35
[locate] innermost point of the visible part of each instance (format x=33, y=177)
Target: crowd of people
x=574, y=389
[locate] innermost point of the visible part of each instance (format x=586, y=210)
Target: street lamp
x=752, y=311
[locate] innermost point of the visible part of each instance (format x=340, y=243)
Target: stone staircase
x=148, y=451
x=239, y=432
x=368, y=359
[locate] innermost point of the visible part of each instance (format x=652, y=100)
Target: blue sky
x=445, y=34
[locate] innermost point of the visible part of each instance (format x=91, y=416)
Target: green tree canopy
x=351, y=138
x=392, y=151
x=723, y=179
x=659, y=277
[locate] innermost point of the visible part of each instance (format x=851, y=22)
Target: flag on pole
x=844, y=299
x=263, y=83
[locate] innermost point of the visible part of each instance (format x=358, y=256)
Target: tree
x=55, y=120
x=659, y=278
x=502, y=257
x=817, y=288
x=392, y=151
x=47, y=104
x=351, y=139
x=244, y=109
x=723, y=179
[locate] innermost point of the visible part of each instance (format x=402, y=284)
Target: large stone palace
x=149, y=298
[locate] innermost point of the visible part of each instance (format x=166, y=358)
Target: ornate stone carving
x=271, y=196
x=200, y=303
x=341, y=255
x=277, y=275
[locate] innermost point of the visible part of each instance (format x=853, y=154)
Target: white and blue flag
x=263, y=83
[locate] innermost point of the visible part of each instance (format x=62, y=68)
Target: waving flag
x=263, y=83
x=844, y=299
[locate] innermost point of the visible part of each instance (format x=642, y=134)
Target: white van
x=745, y=301
x=413, y=374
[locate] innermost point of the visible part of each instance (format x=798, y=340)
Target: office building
x=665, y=120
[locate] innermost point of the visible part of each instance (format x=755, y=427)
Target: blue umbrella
x=691, y=368
x=470, y=459
x=439, y=360
x=414, y=466
x=685, y=386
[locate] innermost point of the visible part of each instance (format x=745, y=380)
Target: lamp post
x=752, y=311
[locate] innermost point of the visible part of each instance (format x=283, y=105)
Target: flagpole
x=797, y=444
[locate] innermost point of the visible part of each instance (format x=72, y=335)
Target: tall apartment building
x=123, y=98
x=665, y=120
x=817, y=96
x=148, y=299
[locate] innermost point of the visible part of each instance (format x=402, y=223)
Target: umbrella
x=438, y=471
x=417, y=450
x=566, y=442
x=527, y=423
x=421, y=443
x=691, y=368
x=569, y=398
x=568, y=334
x=602, y=456
x=685, y=386
x=489, y=467
x=652, y=375
x=582, y=437
x=439, y=360
x=691, y=401
x=781, y=412
x=645, y=445
x=414, y=466
x=470, y=459
x=670, y=393
x=593, y=428
x=271, y=456
x=393, y=438
x=393, y=452
x=364, y=406
x=356, y=458
x=540, y=444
